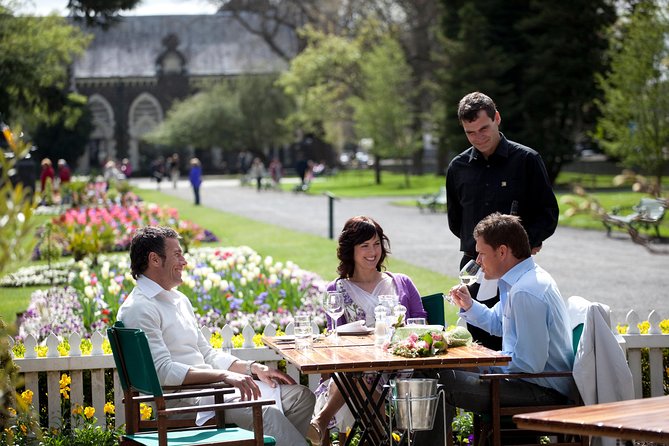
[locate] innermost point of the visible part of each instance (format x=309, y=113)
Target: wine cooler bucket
x=415, y=402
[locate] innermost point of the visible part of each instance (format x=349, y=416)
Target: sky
x=145, y=7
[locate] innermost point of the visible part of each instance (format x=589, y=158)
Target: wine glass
x=469, y=273
x=468, y=276
x=333, y=304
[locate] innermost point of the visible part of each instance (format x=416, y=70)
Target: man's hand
x=460, y=296
x=271, y=376
x=248, y=389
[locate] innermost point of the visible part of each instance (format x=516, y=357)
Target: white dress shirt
x=170, y=325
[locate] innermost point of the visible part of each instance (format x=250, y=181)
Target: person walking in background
x=47, y=173
x=195, y=178
x=276, y=172
x=495, y=175
x=158, y=170
x=173, y=169
x=257, y=171
x=64, y=177
x=64, y=172
x=126, y=167
x=362, y=249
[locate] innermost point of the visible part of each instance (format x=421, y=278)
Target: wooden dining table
x=347, y=358
x=644, y=419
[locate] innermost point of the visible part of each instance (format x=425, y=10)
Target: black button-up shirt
x=476, y=187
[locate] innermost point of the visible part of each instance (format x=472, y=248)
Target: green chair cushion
x=198, y=436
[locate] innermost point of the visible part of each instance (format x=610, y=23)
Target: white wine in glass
x=469, y=273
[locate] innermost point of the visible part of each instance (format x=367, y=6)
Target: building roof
x=212, y=45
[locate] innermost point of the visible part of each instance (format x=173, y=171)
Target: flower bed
x=234, y=286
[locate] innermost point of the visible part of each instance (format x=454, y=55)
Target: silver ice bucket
x=415, y=401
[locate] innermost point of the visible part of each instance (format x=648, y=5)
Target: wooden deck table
x=351, y=356
x=645, y=419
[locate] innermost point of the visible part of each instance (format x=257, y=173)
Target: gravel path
x=612, y=270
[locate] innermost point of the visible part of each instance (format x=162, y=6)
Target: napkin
x=266, y=391
x=353, y=327
x=488, y=289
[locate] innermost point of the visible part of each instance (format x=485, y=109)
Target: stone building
x=133, y=72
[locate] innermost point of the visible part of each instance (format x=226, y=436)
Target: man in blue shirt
x=531, y=317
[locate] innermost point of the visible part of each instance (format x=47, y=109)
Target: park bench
x=648, y=213
x=433, y=201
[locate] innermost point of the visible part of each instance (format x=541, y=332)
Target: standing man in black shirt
x=495, y=175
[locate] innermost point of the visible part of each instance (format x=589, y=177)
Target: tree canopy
x=536, y=59
x=634, y=125
x=243, y=113
x=35, y=54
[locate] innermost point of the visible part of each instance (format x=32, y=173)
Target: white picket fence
x=53, y=365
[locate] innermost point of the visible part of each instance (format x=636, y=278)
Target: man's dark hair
x=358, y=230
x=145, y=241
x=500, y=229
x=470, y=106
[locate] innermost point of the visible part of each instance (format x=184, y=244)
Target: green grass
x=362, y=183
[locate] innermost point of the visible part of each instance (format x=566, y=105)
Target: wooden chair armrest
x=498, y=376
x=216, y=385
x=217, y=407
x=181, y=395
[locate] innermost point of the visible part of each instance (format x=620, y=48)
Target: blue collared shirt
x=532, y=319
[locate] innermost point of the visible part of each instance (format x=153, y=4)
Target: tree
x=536, y=59
x=35, y=54
x=634, y=124
x=335, y=75
x=321, y=80
x=99, y=13
x=383, y=112
x=413, y=23
x=240, y=113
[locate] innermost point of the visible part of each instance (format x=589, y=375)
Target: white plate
x=362, y=331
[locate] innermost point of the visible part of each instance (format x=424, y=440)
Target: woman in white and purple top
x=361, y=251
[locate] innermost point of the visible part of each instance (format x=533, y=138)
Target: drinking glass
x=416, y=321
x=303, y=337
x=333, y=304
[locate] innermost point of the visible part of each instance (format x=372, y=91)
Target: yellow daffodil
x=89, y=412
x=27, y=396
x=145, y=411
x=109, y=408
x=77, y=410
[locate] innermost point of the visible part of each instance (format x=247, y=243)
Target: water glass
x=303, y=337
x=416, y=321
x=301, y=319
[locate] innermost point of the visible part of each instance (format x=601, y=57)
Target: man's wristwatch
x=248, y=368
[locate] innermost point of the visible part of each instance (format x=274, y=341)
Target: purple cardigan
x=406, y=290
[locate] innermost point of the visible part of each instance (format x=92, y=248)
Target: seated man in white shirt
x=183, y=356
